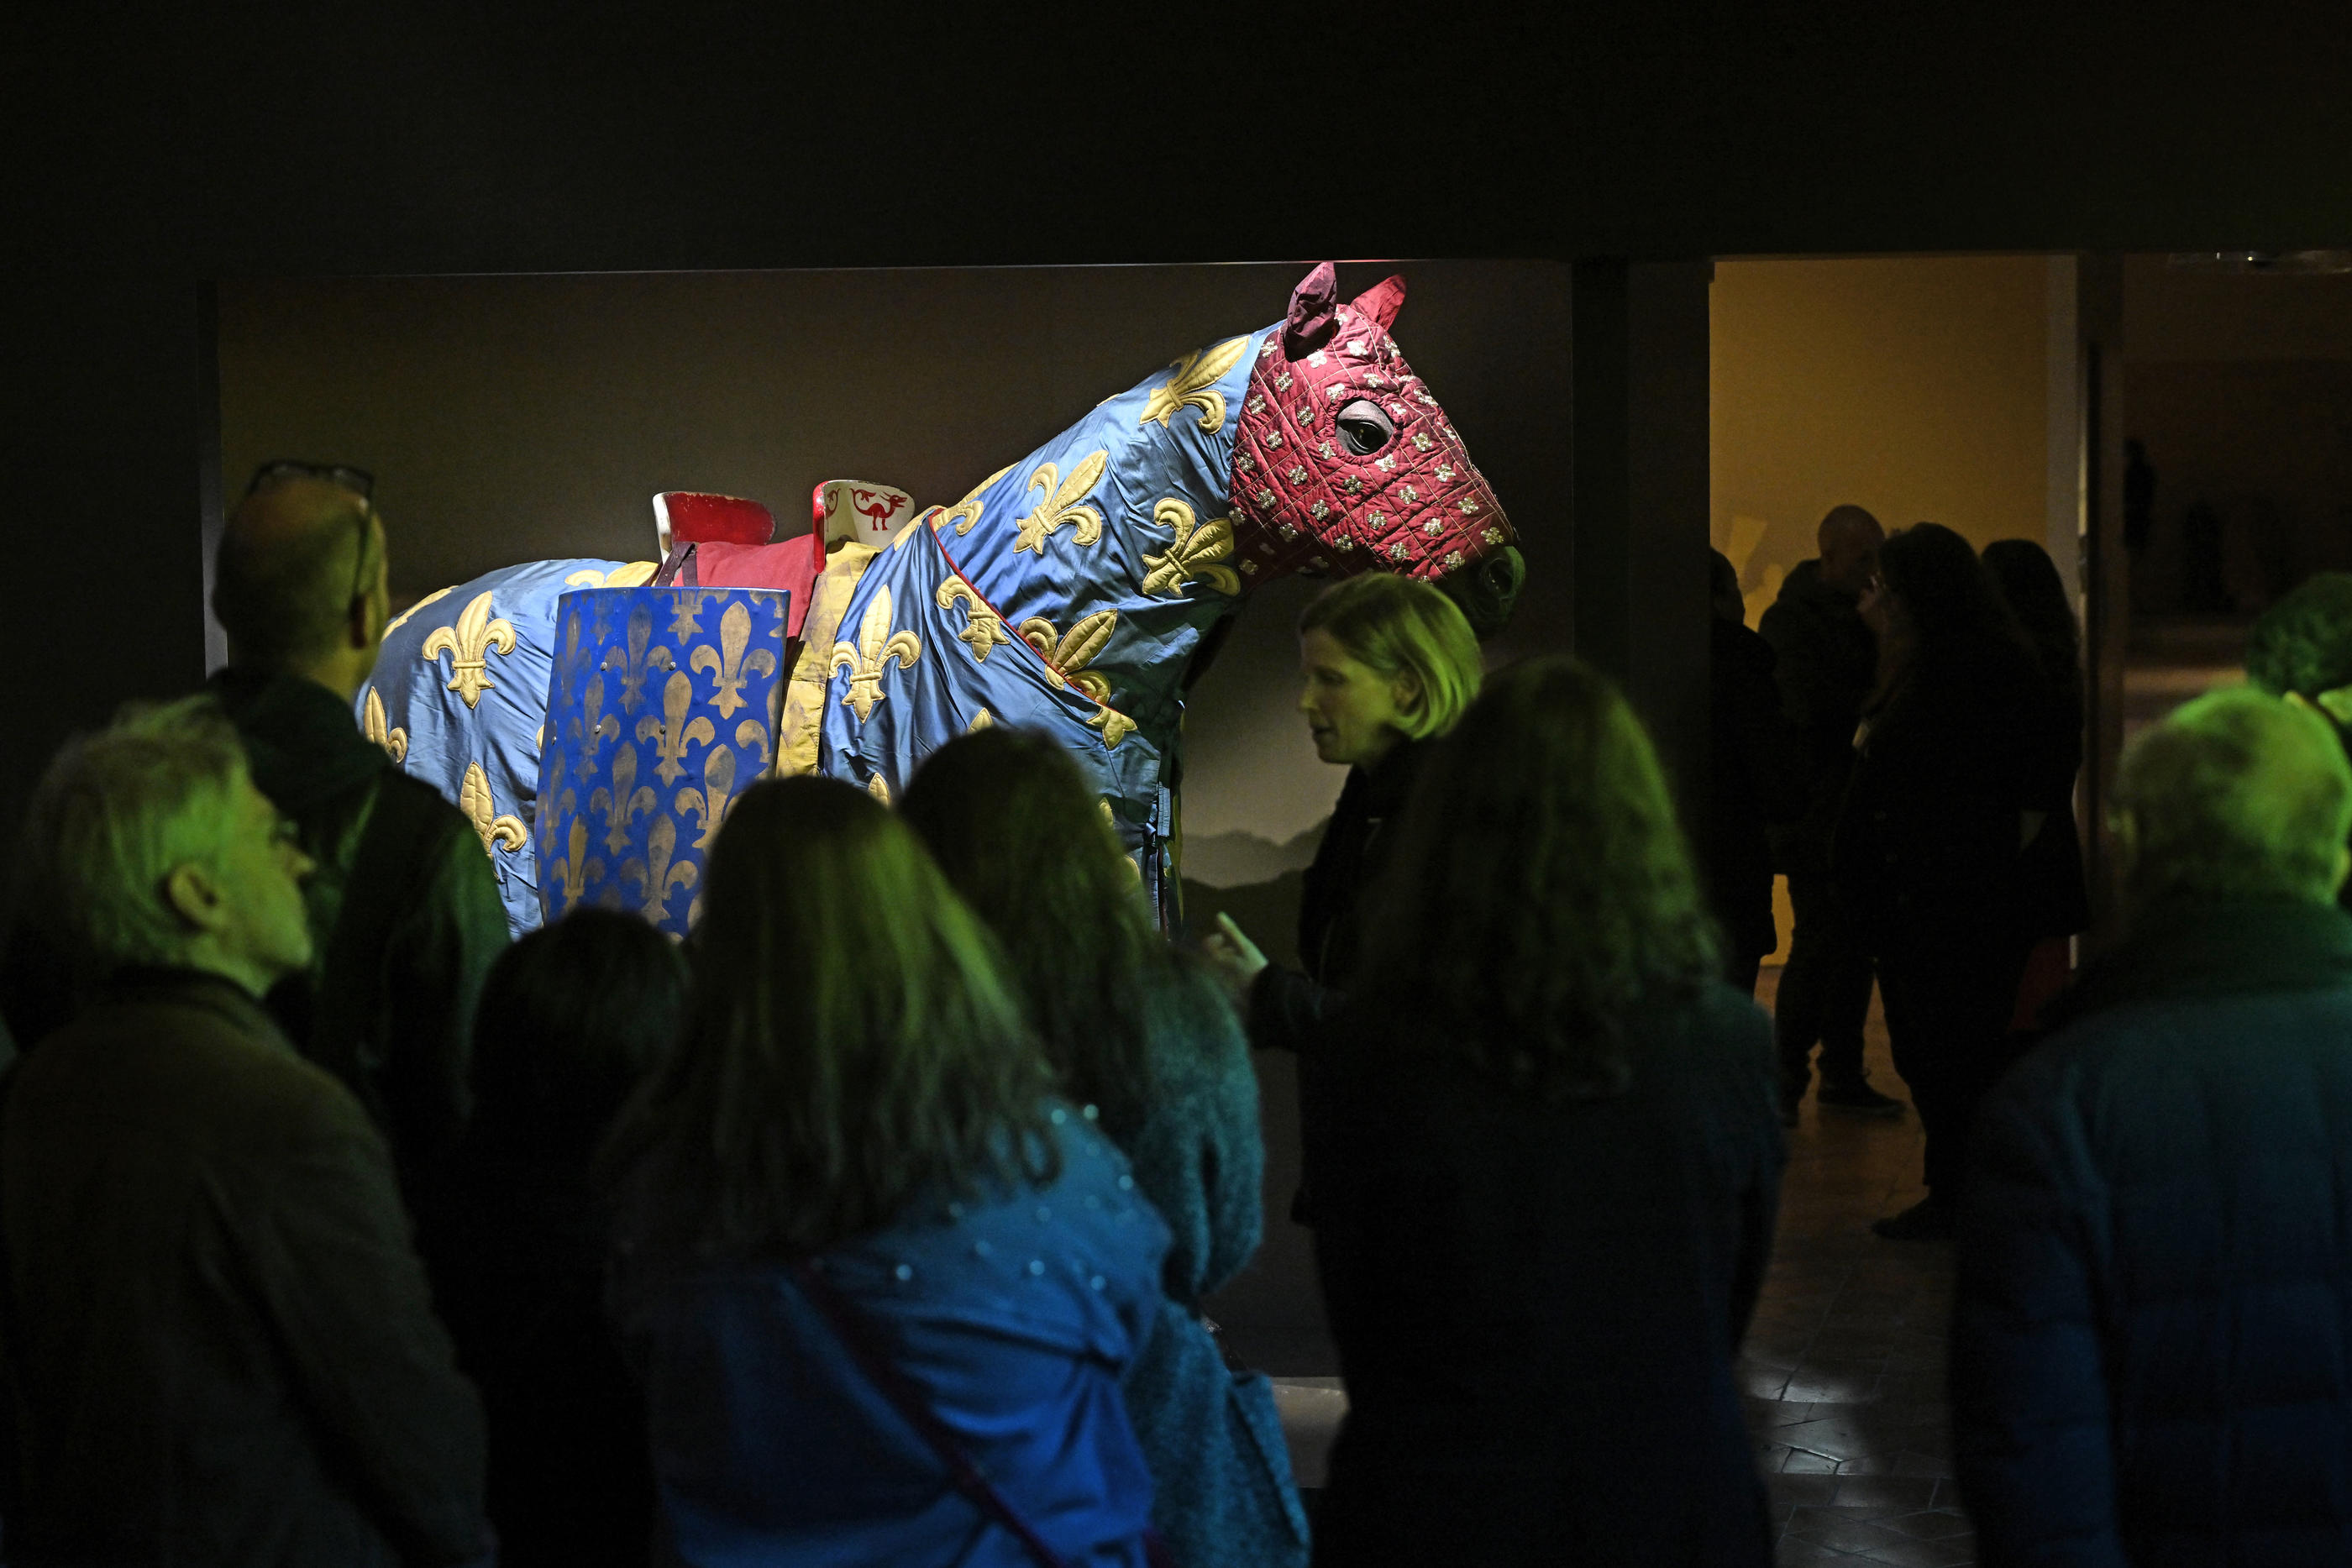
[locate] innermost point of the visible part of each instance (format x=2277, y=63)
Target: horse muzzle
x=1487, y=589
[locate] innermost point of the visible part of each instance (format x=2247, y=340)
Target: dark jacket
x=2152, y=1350
x=405, y=912
x=1826, y=660
x=516, y=1246
x=1757, y=775
x=2056, y=898
x=1221, y=1470
x=1537, y=1307
x=223, y=1349
x=1284, y=1006
x=1928, y=836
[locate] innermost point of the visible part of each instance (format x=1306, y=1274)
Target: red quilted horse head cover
x=1343, y=461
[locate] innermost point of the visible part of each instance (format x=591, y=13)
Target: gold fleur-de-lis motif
x=1066, y=658
x=398, y=622
x=469, y=645
x=1061, y=504
x=1110, y=823
x=751, y=732
x=1193, y=558
x=1194, y=384
x=673, y=733
x=633, y=575
x=1116, y=726
x=491, y=825
x=710, y=802
x=655, y=874
x=394, y=741
x=575, y=871
x=620, y=804
x=592, y=726
x=876, y=646
x=726, y=662
x=983, y=629
x=687, y=619
x=966, y=512
x=634, y=659
x=878, y=787
x=981, y=720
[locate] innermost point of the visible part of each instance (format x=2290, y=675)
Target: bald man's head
x=298, y=582
x=2238, y=794
x=1848, y=540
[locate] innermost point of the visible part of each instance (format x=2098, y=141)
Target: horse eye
x=1366, y=427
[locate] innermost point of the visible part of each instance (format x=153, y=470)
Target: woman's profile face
x=1352, y=710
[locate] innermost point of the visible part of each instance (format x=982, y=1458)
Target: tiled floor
x=1844, y=1368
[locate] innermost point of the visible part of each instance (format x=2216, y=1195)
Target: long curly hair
x=1542, y=889
x=1010, y=821
x=852, y=1047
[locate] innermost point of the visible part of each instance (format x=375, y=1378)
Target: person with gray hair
x=219, y=1347
x=2148, y=1357
x=2301, y=647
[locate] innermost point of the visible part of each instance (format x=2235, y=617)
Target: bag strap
x=867, y=1351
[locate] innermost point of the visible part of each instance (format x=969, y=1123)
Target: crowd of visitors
x=875, y=1222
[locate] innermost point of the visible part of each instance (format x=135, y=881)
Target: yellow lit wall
x=1917, y=388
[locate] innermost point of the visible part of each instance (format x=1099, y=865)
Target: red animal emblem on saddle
x=877, y=508
x=1343, y=461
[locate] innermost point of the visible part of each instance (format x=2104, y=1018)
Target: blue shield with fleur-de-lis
x=661, y=710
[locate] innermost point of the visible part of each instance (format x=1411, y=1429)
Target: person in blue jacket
x=2153, y=1309
x=882, y=1280
x=1153, y=1044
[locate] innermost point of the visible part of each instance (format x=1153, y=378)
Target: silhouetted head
x=2238, y=794
x=573, y=1016
x=1723, y=589
x=1848, y=542
x=853, y=1042
x=1942, y=588
x=2030, y=585
x=1541, y=888
x=1010, y=819
x=300, y=582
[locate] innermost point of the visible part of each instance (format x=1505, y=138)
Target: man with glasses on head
x=404, y=908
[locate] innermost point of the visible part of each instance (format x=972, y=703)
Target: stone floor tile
x=1887, y=1496
x=1795, y=1554
x=1844, y=1529
x=1929, y=1524
x=1956, y=1552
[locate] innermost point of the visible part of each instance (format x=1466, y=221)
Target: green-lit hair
x=1400, y=624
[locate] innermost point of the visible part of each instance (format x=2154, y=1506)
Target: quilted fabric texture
x=1303, y=501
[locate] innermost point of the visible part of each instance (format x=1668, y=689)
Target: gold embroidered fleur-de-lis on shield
x=574, y=873
x=491, y=825
x=1193, y=558
x=673, y=732
x=1195, y=384
x=655, y=874
x=1061, y=504
x=469, y=645
x=728, y=662
x=620, y=804
x=594, y=726
x=751, y=732
x=394, y=741
x=982, y=629
x=710, y=802
x=966, y=512
x=1066, y=658
x=876, y=646
x=634, y=661
x=685, y=621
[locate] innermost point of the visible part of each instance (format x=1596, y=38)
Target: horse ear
x=1382, y=300
x=1312, y=304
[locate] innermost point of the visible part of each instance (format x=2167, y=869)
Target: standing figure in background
x=1544, y=1194
x=2301, y=647
x=2149, y=1324
x=2057, y=899
x=1949, y=781
x=405, y=908
x=1756, y=776
x=1826, y=664
x=1389, y=663
x=1153, y=1048
x=220, y=1348
x=573, y=1016
x=885, y=1281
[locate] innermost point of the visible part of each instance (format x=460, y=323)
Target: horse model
x=1078, y=591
